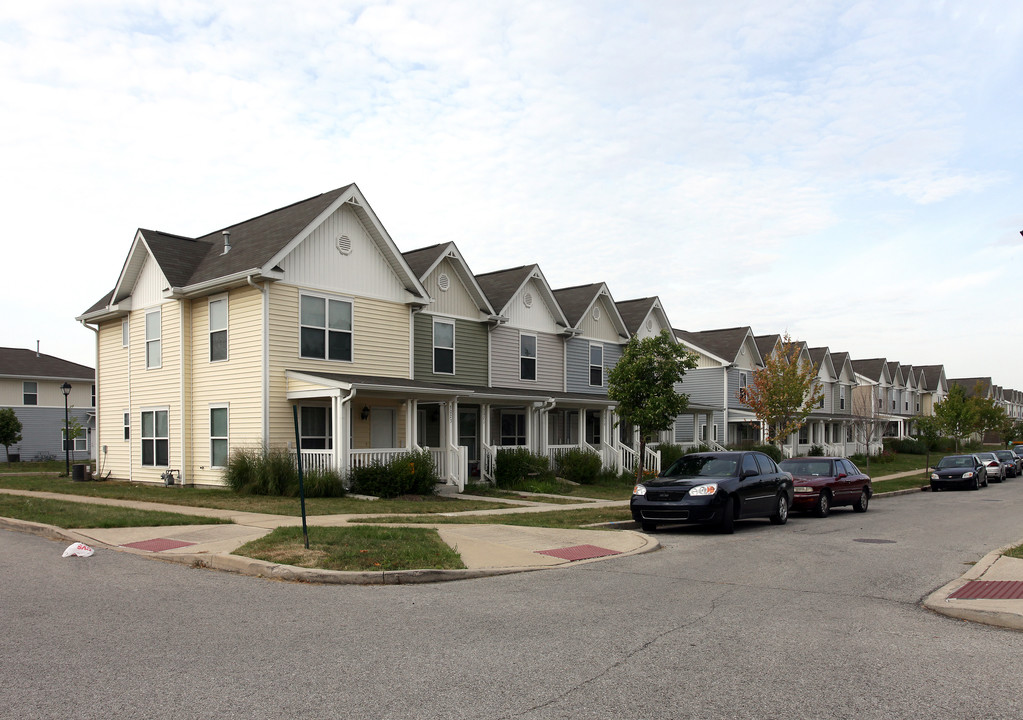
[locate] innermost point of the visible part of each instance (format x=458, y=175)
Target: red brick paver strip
x=990, y=590
x=157, y=544
x=579, y=552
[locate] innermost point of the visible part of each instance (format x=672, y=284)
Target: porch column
x=409, y=415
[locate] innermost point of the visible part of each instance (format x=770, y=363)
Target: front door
x=468, y=435
x=381, y=428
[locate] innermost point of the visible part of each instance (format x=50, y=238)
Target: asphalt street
x=819, y=618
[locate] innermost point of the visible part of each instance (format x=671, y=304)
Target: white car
x=995, y=467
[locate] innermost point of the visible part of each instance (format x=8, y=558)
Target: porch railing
x=488, y=462
x=316, y=460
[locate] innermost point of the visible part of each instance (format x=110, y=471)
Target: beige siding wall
x=113, y=400
x=380, y=346
x=237, y=381
x=48, y=393
x=456, y=300
x=602, y=328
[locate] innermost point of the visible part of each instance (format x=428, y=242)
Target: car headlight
x=968, y=475
x=802, y=489
x=934, y=476
x=639, y=490
x=704, y=490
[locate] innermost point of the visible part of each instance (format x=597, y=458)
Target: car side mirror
x=747, y=473
x=842, y=475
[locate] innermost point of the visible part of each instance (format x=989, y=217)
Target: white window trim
x=599, y=346
x=436, y=322
x=155, y=409
x=84, y=438
x=326, y=349
x=158, y=339
x=125, y=333
x=226, y=438
x=226, y=329
x=25, y=393
x=535, y=358
x=126, y=425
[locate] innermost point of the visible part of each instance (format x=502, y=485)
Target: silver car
x=996, y=471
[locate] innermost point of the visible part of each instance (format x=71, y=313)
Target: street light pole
x=66, y=389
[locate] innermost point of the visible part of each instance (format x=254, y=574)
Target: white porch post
x=582, y=426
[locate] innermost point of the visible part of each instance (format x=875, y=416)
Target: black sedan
x=959, y=471
x=714, y=487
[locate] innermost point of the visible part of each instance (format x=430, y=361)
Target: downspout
x=725, y=398
x=96, y=409
x=183, y=305
x=266, y=359
x=341, y=450
x=542, y=408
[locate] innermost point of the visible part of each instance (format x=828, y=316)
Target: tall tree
x=10, y=430
x=956, y=415
x=784, y=392
x=989, y=415
x=643, y=384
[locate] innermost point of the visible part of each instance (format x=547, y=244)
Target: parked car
x=995, y=467
x=959, y=471
x=714, y=487
x=1011, y=461
x=821, y=483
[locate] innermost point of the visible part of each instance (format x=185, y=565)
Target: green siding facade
x=470, y=351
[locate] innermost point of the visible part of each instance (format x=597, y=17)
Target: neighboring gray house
x=30, y=383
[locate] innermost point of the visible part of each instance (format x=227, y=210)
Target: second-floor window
x=527, y=357
x=218, y=329
x=743, y=381
x=326, y=328
x=597, y=365
x=29, y=393
x=443, y=347
x=841, y=397
x=153, y=333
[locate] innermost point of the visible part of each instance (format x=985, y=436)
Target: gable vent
x=343, y=244
x=443, y=281
x=527, y=299
x=649, y=324
x=596, y=312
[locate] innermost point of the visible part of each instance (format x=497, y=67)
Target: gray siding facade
x=704, y=386
x=41, y=430
x=577, y=365
x=550, y=360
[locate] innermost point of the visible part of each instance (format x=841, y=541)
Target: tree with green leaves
x=989, y=415
x=928, y=431
x=784, y=392
x=643, y=384
x=10, y=430
x=74, y=431
x=956, y=415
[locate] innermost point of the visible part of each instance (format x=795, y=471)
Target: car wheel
x=648, y=526
x=864, y=500
x=934, y=488
x=823, y=505
x=781, y=510
x=975, y=483
x=727, y=524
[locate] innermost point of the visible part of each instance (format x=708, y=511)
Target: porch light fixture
x=66, y=389
x=365, y=412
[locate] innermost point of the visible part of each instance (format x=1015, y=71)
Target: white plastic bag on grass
x=78, y=550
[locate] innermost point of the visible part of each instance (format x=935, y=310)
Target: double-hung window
x=443, y=347
x=155, y=438
x=29, y=393
x=597, y=365
x=218, y=329
x=153, y=332
x=841, y=397
x=81, y=443
x=743, y=382
x=218, y=436
x=527, y=357
x=316, y=428
x=326, y=328
x=127, y=426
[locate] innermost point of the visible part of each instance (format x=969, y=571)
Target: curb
x=940, y=603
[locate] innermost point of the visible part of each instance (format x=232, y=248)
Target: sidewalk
x=485, y=549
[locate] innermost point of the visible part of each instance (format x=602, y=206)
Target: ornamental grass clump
x=411, y=473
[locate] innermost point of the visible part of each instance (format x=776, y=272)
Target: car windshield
x=1004, y=454
x=957, y=461
x=703, y=466
x=816, y=468
x=986, y=456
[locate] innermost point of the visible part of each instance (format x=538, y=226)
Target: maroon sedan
x=821, y=483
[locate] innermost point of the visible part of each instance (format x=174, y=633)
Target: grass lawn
x=903, y=483
x=1016, y=552
x=83, y=515
x=571, y=519
x=355, y=548
x=228, y=500
x=482, y=490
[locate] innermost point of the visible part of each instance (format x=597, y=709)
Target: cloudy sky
x=849, y=172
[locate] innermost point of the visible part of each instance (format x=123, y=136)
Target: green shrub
x=909, y=446
x=771, y=451
x=816, y=451
x=670, y=452
x=698, y=449
x=263, y=471
x=323, y=483
x=579, y=466
x=513, y=465
x=411, y=473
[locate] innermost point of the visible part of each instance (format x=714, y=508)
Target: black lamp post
x=66, y=389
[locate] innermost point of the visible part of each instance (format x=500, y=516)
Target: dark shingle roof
x=766, y=344
x=869, y=368
x=26, y=363
x=817, y=355
x=725, y=342
x=574, y=301
x=969, y=385
x=177, y=256
x=422, y=259
x=634, y=312
x=932, y=374
x=502, y=284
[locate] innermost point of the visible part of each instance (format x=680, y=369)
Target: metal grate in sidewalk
x=990, y=590
x=579, y=552
x=157, y=544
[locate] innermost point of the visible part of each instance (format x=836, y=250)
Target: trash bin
x=78, y=472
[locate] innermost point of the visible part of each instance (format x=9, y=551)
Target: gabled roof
x=502, y=285
x=257, y=245
x=766, y=344
x=821, y=359
x=424, y=260
x=16, y=362
x=635, y=312
x=895, y=373
x=725, y=343
x=934, y=377
x=875, y=369
x=841, y=360
x=970, y=385
x=576, y=302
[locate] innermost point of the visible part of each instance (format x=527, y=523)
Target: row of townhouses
x=308, y=322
